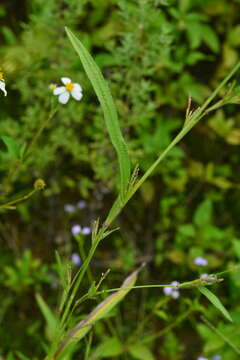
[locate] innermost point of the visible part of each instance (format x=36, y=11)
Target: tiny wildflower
x=69, y=208
x=216, y=357
x=203, y=276
x=200, y=261
x=69, y=88
x=2, y=84
x=52, y=87
x=76, y=260
x=201, y=358
x=171, y=291
x=81, y=204
x=86, y=230
x=76, y=229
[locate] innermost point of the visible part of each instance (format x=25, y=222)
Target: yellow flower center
x=1, y=75
x=69, y=86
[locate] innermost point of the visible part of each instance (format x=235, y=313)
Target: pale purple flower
x=86, y=230
x=216, y=357
x=200, y=261
x=175, y=294
x=172, y=291
x=167, y=290
x=76, y=260
x=81, y=204
x=76, y=229
x=201, y=358
x=69, y=208
x=203, y=276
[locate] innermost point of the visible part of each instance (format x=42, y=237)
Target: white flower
x=70, y=88
x=2, y=84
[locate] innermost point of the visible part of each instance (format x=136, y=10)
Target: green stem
x=140, y=326
x=16, y=201
x=39, y=132
x=222, y=336
x=83, y=257
x=168, y=328
x=80, y=277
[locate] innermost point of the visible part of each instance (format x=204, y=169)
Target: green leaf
x=12, y=146
x=10, y=356
x=101, y=311
x=51, y=319
x=110, y=113
x=210, y=38
x=109, y=348
x=141, y=352
x=215, y=301
x=203, y=213
x=22, y=356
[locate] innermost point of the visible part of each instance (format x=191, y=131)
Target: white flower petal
x=65, y=80
x=64, y=97
x=77, y=86
x=76, y=94
x=59, y=90
x=2, y=87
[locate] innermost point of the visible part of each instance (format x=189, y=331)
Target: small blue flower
x=86, y=230
x=76, y=229
x=81, y=204
x=216, y=357
x=203, y=276
x=69, y=208
x=201, y=358
x=200, y=261
x=76, y=260
x=171, y=291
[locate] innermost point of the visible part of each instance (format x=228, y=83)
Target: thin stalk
x=16, y=201
x=168, y=328
x=80, y=277
x=222, y=336
x=39, y=132
x=84, y=256
x=140, y=326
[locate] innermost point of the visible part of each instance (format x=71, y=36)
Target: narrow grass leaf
x=110, y=113
x=50, y=318
x=215, y=301
x=82, y=328
x=22, y=356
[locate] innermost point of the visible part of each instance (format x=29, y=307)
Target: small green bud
x=39, y=184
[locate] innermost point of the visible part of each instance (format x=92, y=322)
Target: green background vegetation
x=154, y=54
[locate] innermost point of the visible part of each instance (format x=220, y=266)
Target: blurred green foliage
x=154, y=54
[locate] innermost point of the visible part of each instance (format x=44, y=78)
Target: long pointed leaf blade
x=215, y=301
x=50, y=318
x=81, y=329
x=110, y=113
